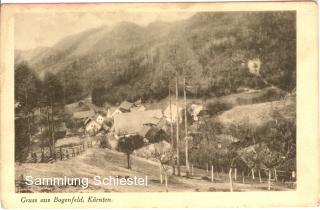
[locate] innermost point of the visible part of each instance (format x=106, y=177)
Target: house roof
x=126, y=105
x=77, y=107
x=139, y=108
x=138, y=102
x=144, y=130
x=133, y=122
x=83, y=114
x=68, y=141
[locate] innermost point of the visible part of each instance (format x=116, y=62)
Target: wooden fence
x=60, y=153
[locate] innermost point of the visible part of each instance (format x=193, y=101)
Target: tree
x=22, y=139
x=53, y=98
x=52, y=89
x=27, y=87
x=163, y=153
x=98, y=96
x=127, y=144
x=27, y=94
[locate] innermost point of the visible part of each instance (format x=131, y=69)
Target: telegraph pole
x=186, y=126
x=171, y=130
x=177, y=123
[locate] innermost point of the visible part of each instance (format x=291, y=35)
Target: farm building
x=100, y=119
x=83, y=115
x=77, y=107
x=133, y=122
x=92, y=127
x=125, y=106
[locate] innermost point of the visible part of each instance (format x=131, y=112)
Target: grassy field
x=105, y=163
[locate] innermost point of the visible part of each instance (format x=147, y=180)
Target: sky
x=45, y=29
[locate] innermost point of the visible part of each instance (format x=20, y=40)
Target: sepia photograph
x=170, y=101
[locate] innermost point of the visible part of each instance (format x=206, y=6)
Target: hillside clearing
x=257, y=114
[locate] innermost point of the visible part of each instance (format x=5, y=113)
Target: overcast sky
x=36, y=30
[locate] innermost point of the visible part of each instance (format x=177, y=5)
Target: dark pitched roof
x=125, y=105
x=138, y=102
x=83, y=114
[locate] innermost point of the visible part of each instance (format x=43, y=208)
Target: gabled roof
x=138, y=102
x=83, y=114
x=133, y=122
x=125, y=105
x=139, y=108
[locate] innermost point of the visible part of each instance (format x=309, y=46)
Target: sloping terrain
x=260, y=113
x=132, y=61
x=105, y=163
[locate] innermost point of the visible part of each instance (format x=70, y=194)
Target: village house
x=125, y=106
x=132, y=123
x=117, y=111
x=77, y=107
x=171, y=116
x=91, y=126
x=140, y=108
x=83, y=115
x=100, y=119
x=254, y=66
x=195, y=109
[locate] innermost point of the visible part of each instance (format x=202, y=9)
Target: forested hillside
x=129, y=61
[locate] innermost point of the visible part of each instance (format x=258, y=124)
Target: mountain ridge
x=134, y=61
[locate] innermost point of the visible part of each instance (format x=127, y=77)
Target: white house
x=254, y=66
x=172, y=115
x=100, y=119
x=92, y=126
x=195, y=109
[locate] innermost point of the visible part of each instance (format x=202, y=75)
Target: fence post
x=230, y=180
x=207, y=167
x=61, y=157
x=259, y=176
x=212, y=173
x=293, y=175
x=269, y=181
x=235, y=174
x=275, y=175
x=73, y=152
x=242, y=177
x=160, y=172
x=252, y=174
x=166, y=181
x=192, y=170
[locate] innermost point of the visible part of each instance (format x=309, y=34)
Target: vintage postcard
x=159, y=105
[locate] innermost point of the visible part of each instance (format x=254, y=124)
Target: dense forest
x=129, y=61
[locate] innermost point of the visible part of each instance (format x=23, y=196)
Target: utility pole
x=177, y=123
x=171, y=130
x=186, y=126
